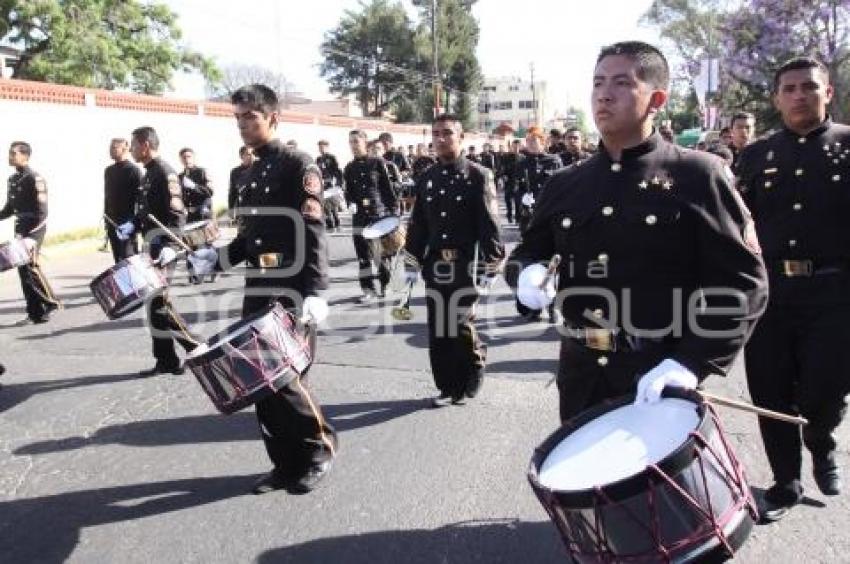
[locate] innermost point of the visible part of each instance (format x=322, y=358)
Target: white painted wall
x=71, y=149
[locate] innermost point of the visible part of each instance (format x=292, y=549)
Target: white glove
x=411, y=276
x=125, y=230
x=528, y=291
x=352, y=209
x=167, y=255
x=187, y=183
x=528, y=199
x=315, y=308
x=667, y=373
x=203, y=261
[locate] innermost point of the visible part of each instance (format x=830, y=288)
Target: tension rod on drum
x=171, y=234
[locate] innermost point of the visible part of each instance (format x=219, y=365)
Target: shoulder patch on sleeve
x=311, y=209
x=312, y=180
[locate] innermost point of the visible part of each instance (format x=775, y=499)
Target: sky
x=561, y=38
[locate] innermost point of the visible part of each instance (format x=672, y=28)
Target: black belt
x=806, y=268
x=607, y=340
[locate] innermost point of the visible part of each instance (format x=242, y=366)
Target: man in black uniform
x=282, y=238
x=332, y=178
x=197, y=196
x=532, y=173
x=573, y=151
x=370, y=196
x=238, y=174
x=162, y=197
x=510, y=171
x=27, y=201
x=472, y=155
x=743, y=131
x=487, y=158
x=422, y=162
x=452, y=230
x=122, y=181
x=661, y=278
x=796, y=185
x=556, y=142
x=385, y=141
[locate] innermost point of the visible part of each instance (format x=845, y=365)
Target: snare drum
x=14, y=254
x=124, y=287
x=389, y=232
x=200, y=233
x=656, y=483
x=251, y=359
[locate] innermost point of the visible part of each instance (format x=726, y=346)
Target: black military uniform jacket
x=421, y=164
x=798, y=190
x=640, y=239
x=455, y=208
x=569, y=158
x=237, y=182
x=198, y=196
x=328, y=165
x=487, y=159
x=397, y=158
x=534, y=171
x=121, y=182
x=160, y=196
x=369, y=187
x=281, y=223
x=26, y=199
x=510, y=169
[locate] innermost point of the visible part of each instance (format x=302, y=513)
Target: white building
x=513, y=101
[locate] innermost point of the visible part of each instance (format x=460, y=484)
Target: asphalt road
x=97, y=465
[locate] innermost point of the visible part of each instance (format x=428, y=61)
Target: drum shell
x=622, y=505
x=117, y=301
x=266, y=356
x=202, y=234
x=393, y=242
x=13, y=254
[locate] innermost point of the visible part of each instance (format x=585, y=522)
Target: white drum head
x=619, y=444
x=381, y=227
x=195, y=225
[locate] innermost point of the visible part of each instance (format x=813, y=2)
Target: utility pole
x=436, y=71
x=533, y=95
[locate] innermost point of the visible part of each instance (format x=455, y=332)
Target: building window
x=484, y=107
x=503, y=105
x=513, y=88
x=529, y=104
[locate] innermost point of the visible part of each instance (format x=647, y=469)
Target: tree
x=457, y=39
x=576, y=117
x=754, y=38
x=98, y=43
x=369, y=53
x=236, y=76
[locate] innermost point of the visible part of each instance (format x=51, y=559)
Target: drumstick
x=551, y=270
x=170, y=234
x=743, y=406
x=109, y=220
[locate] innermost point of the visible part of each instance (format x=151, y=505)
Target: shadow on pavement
x=241, y=426
x=47, y=529
x=14, y=394
x=486, y=542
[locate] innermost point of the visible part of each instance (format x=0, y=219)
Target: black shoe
x=473, y=385
x=194, y=279
x=41, y=319
x=442, y=400
x=160, y=368
x=274, y=480
x=779, y=499
x=459, y=399
x=827, y=475
x=309, y=481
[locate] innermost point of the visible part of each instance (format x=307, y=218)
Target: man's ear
x=657, y=100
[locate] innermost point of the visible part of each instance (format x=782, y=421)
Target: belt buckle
x=599, y=339
x=269, y=260
x=792, y=268
x=366, y=201
x=448, y=255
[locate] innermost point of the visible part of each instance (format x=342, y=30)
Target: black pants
x=583, y=382
x=510, y=201
x=454, y=348
x=38, y=294
x=798, y=361
x=166, y=325
x=366, y=259
x=121, y=249
x=331, y=213
x=293, y=428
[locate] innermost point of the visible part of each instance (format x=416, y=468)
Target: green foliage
x=99, y=43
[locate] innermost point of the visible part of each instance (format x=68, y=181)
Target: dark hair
x=146, y=134
x=258, y=97
x=323, y=142
x=721, y=151
x=447, y=117
x=22, y=147
x=741, y=115
x=554, y=133
x=243, y=149
x=798, y=63
x=472, y=147
x=385, y=136
x=185, y=150
x=652, y=65
x=358, y=133
x=573, y=130
x=726, y=129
